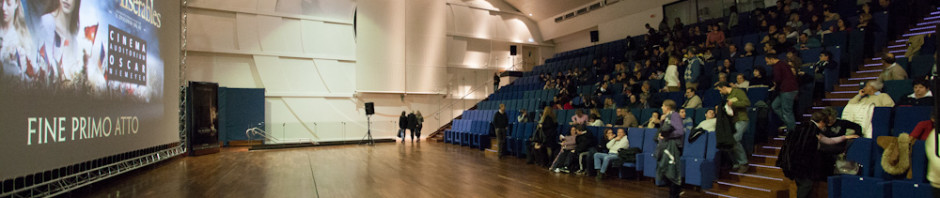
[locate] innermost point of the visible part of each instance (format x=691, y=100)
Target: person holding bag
x=538, y=148
x=669, y=149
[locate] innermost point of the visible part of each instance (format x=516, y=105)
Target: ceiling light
x=530, y=14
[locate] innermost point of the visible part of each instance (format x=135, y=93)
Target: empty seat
x=906, y=118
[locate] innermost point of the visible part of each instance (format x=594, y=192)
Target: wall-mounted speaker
x=512, y=50
x=594, y=36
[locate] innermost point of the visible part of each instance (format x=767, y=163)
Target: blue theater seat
x=850, y=186
x=757, y=94
x=693, y=156
x=647, y=162
x=906, y=118
x=904, y=189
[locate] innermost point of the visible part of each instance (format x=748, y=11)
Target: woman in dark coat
x=541, y=140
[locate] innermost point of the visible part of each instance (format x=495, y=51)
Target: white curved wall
x=317, y=73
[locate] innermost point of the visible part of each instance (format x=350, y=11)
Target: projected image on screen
x=86, y=79
x=85, y=48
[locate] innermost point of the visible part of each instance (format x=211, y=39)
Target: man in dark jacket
x=585, y=147
x=412, y=125
x=402, y=125
x=500, y=122
x=738, y=102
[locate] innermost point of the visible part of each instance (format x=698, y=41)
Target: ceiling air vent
x=585, y=10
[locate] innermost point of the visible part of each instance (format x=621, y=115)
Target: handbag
x=845, y=167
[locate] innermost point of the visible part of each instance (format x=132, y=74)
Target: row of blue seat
x=475, y=134
x=512, y=105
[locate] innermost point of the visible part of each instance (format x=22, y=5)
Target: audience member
x=654, y=121
x=726, y=67
x=741, y=82
x=892, y=70
x=806, y=42
x=585, y=147
x=748, y=50
x=672, y=75
x=670, y=138
x=692, y=101
x=693, y=68
x=625, y=118
x=523, y=116
x=500, y=122
x=871, y=94
x=579, y=118
x=541, y=144
x=933, y=160
x=785, y=84
x=568, y=143
x=759, y=79
x=716, y=38
x=686, y=120
x=738, y=102
x=732, y=52
x=602, y=160
x=830, y=15
x=402, y=125
x=922, y=95
x=722, y=78
x=709, y=123
x=924, y=128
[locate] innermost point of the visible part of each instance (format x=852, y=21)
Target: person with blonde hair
x=15, y=39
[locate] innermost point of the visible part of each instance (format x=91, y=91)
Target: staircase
x=763, y=178
x=872, y=67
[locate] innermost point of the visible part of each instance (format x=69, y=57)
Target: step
x=866, y=73
x=841, y=94
x=767, y=150
x=760, y=169
x=745, y=178
x=739, y=190
x=847, y=87
x=767, y=160
x=838, y=103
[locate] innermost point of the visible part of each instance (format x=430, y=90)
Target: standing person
x=669, y=149
x=420, y=125
x=500, y=122
x=933, y=161
x=800, y=158
x=539, y=148
x=602, y=160
x=738, y=102
x=672, y=75
x=785, y=84
x=402, y=125
x=412, y=124
x=693, y=68
x=495, y=81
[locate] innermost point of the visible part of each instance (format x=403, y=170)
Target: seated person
x=625, y=118
x=741, y=82
x=585, y=147
x=709, y=123
x=924, y=128
x=692, y=101
x=760, y=79
x=602, y=160
x=653, y=122
x=579, y=118
x=523, y=116
x=568, y=144
x=921, y=96
x=892, y=70
x=686, y=120
x=871, y=94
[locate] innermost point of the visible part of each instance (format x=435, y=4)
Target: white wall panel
x=226, y=69
x=226, y=4
x=288, y=7
x=329, y=40
x=279, y=35
x=289, y=75
x=211, y=30
x=247, y=34
x=381, y=65
x=339, y=10
x=338, y=76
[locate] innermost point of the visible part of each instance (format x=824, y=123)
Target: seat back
x=898, y=89
x=860, y=151
x=694, y=149
x=757, y=94
x=636, y=137
x=906, y=118
x=649, y=140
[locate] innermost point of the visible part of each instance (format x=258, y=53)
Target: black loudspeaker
x=594, y=36
x=512, y=50
x=370, y=108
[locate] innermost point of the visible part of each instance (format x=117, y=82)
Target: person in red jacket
x=785, y=84
x=923, y=128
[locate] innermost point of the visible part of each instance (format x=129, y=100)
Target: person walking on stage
x=412, y=125
x=420, y=124
x=402, y=125
x=500, y=122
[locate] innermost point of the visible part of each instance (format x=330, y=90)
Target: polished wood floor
x=386, y=170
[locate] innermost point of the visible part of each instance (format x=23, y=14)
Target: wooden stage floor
x=386, y=170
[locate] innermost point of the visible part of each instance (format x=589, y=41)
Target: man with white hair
x=871, y=94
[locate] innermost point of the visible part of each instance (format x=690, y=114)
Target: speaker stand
x=367, y=139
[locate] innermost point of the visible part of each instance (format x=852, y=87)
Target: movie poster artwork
x=86, y=48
